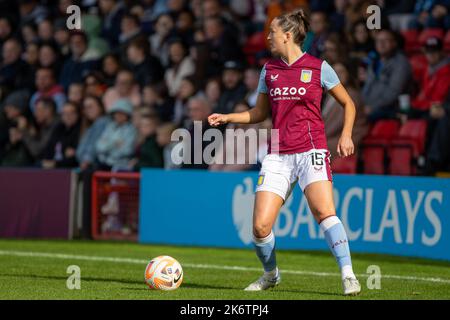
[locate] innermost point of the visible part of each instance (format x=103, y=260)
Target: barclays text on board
x=394, y=215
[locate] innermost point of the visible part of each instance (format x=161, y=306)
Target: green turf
x=45, y=278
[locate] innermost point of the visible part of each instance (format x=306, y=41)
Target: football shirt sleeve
x=262, y=87
x=328, y=77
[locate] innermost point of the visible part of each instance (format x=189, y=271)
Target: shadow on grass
x=189, y=286
x=64, y=278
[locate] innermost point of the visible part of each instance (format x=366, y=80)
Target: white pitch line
x=202, y=266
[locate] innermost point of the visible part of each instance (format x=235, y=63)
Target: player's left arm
x=345, y=145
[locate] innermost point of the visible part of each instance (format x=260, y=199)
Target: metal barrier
x=115, y=205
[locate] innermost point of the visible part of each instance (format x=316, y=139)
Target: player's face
x=276, y=38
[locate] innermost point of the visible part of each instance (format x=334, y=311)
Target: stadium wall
x=35, y=203
x=407, y=216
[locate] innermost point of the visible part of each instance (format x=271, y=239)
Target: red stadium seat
x=401, y=161
x=373, y=147
x=405, y=150
x=255, y=44
x=411, y=38
x=430, y=32
x=346, y=165
x=419, y=66
x=384, y=129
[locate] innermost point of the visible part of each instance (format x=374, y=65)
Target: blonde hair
x=295, y=22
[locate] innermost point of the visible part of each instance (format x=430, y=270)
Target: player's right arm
x=257, y=114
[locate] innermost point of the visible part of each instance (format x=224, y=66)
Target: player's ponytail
x=295, y=22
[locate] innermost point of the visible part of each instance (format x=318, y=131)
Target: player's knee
x=261, y=230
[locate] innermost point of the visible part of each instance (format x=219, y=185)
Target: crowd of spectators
x=109, y=96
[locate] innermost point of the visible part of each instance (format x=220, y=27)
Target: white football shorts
x=280, y=172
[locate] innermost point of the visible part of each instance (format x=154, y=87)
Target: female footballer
x=291, y=86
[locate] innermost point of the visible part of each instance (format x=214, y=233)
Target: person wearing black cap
x=435, y=83
x=234, y=88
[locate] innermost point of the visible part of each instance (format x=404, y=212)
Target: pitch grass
x=45, y=278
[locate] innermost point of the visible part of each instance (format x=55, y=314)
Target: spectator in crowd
x=145, y=67
x=45, y=30
x=80, y=62
x=93, y=123
x=335, y=49
x=356, y=10
x=333, y=113
x=221, y=46
x=111, y=65
x=435, y=84
x=130, y=32
x=94, y=84
x=6, y=30
x=148, y=152
x=338, y=22
x=242, y=152
x=438, y=153
x=47, y=87
x=31, y=56
x=431, y=14
x=387, y=78
x=319, y=29
x=361, y=41
x=138, y=113
x=251, y=81
x=124, y=88
x=155, y=97
x=181, y=66
x=199, y=110
x=114, y=149
x=187, y=90
x=164, y=27
x=49, y=57
x=28, y=33
x=37, y=138
x=185, y=26
x=32, y=12
x=163, y=138
x=14, y=72
x=61, y=148
x=112, y=12
x=62, y=38
x=234, y=89
x=76, y=93
x=12, y=149
x=214, y=9
x=213, y=91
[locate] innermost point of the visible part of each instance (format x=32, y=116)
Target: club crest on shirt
x=306, y=76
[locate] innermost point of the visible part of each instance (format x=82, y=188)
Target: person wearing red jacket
x=435, y=83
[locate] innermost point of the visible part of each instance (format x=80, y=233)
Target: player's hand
x=345, y=146
x=216, y=119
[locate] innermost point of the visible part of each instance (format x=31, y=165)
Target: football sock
x=265, y=250
x=338, y=243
